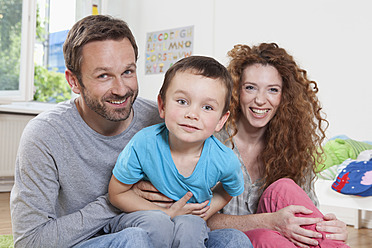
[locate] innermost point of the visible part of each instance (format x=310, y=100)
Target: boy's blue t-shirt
x=148, y=156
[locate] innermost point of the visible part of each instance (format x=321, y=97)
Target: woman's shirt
x=247, y=202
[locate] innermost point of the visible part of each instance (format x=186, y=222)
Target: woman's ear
x=161, y=107
x=222, y=121
x=72, y=81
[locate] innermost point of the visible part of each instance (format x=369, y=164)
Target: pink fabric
x=278, y=195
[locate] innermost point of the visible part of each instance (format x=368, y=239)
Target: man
x=66, y=155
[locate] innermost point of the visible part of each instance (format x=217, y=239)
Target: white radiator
x=11, y=128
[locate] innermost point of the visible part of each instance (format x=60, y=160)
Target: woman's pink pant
x=280, y=194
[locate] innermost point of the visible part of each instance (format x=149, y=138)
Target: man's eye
x=129, y=73
x=103, y=76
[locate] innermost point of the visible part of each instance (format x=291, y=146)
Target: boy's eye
x=207, y=107
x=182, y=101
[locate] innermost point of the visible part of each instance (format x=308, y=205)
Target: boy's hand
x=181, y=207
x=147, y=191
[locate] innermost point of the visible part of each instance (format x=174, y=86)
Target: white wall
x=146, y=16
x=331, y=39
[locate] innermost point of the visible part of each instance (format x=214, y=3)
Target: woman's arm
x=283, y=221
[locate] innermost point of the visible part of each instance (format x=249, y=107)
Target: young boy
x=181, y=156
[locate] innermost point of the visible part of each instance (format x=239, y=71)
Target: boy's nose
x=191, y=115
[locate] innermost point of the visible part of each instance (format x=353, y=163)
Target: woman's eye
x=274, y=90
x=249, y=87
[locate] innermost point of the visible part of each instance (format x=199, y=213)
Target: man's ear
x=161, y=107
x=72, y=81
x=222, y=121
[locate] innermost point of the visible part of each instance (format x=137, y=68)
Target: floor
x=358, y=238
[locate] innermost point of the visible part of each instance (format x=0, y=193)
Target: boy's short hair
x=93, y=28
x=203, y=66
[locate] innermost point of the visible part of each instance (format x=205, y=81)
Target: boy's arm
x=146, y=190
x=127, y=200
x=219, y=200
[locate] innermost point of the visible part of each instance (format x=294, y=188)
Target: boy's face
x=193, y=107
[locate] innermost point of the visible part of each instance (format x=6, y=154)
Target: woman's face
x=260, y=94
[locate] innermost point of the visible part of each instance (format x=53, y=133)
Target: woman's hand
x=147, y=191
x=335, y=228
x=289, y=225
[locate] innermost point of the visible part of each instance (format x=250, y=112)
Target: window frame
x=25, y=91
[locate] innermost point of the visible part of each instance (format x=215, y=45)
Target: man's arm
x=37, y=219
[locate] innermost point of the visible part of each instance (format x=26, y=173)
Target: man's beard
x=110, y=114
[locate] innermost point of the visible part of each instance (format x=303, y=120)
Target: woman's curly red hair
x=298, y=128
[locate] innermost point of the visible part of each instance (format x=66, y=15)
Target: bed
x=340, y=153
x=329, y=197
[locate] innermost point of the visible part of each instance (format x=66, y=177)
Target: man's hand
x=147, y=191
x=335, y=228
x=290, y=226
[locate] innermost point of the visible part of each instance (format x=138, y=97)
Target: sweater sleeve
x=36, y=217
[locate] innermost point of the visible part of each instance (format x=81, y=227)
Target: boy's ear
x=222, y=121
x=161, y=107
x=72, y=81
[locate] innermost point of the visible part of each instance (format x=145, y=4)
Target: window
x=54, y=19
x=32, y=33
x=17, y=32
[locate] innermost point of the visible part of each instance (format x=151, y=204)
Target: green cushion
x=6, y=241
x=338, y=150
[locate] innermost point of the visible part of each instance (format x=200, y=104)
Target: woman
x=275, y=128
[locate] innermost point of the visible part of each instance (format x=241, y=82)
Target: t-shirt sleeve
x=232, y=176
x=128, y=167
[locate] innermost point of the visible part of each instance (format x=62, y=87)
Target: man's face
x=108, y=73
